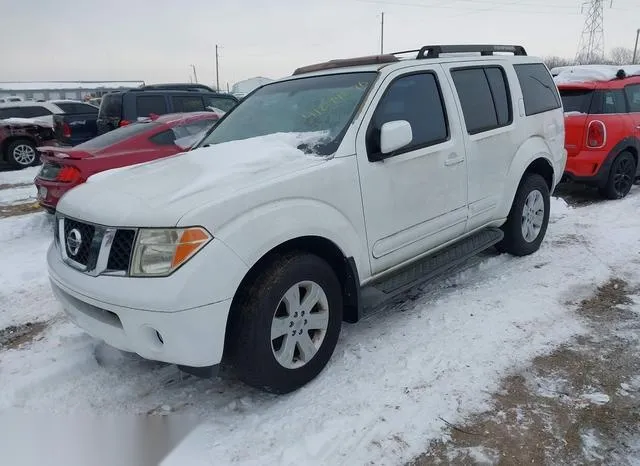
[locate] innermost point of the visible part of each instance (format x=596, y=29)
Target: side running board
x=430, y=267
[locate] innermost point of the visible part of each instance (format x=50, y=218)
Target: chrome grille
x=95, y=249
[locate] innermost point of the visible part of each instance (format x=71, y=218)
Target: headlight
x=160, y=251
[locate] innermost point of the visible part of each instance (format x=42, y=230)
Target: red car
x=602, y=126
x=63, y=168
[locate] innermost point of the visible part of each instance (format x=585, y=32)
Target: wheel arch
x=344, y=267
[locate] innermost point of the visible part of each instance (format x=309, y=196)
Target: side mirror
x=395, y=135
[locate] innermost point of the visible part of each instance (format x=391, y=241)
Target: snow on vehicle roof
x=587, y=73
x=62, y=85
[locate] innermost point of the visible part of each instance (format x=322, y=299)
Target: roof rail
x=345, y=62
x=177, y=87
x=434, y=51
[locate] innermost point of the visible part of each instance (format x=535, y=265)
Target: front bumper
x=164, y=319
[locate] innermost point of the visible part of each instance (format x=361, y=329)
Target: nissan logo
x=74, y=241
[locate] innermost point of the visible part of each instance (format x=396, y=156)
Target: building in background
x=71, y=90
x=242, y=88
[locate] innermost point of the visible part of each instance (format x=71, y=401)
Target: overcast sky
x=157, y=41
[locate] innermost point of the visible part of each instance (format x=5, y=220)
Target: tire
x=264, y=363
x=533, y=194
x=22, y=153
x=621, y=177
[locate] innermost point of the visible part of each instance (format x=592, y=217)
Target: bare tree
x=553, y=62
x=620, y=56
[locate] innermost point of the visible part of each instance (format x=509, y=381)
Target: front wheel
x=285, y=326
x=621, y=177
x=528, y=219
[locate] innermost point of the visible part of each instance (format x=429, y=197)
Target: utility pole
x=382, y=34
x=217, y=72
x=635, y=49
x=195, y=75
x=591, y=45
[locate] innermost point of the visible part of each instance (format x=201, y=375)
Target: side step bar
x=430, y=267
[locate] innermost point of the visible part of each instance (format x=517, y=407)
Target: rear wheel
x=528, y=219
x=621, y=177
x=22, y=153
x=285, y=326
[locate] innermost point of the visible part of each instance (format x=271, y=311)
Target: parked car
x=19, y=139
x=317, y=196
x=74, y=122
x=124, y=107
x=65, y=168
x=602, y=112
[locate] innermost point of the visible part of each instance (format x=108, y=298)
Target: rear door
x=487, y=109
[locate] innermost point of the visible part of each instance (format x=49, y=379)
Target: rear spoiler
x=63, y=152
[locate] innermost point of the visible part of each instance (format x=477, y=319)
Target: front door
x=414, y=199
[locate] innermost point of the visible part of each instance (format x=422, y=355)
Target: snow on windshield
x=586, y=73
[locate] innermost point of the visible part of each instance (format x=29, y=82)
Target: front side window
x=417, y=99
x=191, y=132
x=320, y=104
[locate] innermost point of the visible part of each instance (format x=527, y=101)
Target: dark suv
x=124, y=107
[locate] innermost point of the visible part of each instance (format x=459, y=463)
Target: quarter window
x=539, y=92
x=417, y=99
x=148, y=104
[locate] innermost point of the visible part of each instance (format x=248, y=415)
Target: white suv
x=315, y=197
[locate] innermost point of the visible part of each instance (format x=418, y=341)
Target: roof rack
x=345, y=62
x=434, y=51
x=177, y=87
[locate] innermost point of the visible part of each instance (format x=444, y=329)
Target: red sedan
x=63, y=168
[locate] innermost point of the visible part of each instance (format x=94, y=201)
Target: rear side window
x=187, y=103
x=538, y=89
x=73, y=107
x=417, y=99
x=633, y=97
x=222, y=103
x=576, y=100
x=148, y=104
x=117, y=135
x=484, y=96
x=608, y=101
x=167, y=137
x=111, y=106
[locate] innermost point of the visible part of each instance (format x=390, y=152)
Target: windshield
x=317, y=104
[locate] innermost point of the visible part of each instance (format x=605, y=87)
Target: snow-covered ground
x=437, y=354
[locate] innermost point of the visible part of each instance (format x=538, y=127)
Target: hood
x=158, y=193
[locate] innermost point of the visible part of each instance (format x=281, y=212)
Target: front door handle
x=453, y=160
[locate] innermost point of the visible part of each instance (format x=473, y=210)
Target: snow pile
x=28, y=121
x=25, y=175
x=587, y=73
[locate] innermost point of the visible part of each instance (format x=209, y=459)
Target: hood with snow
x=159, y=192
